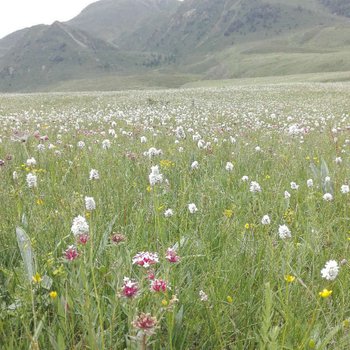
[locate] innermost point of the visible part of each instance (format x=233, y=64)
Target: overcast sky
x=18, y=14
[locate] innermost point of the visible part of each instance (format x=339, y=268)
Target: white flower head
x=79, y=226
x=327, y=197
x=254, y=187
x=168, y=213
x=94, y=175
x=229, y=166
x=245, y=178
x=106, y=144
x=81, y=144
x=310, y=183
x=31, y=180
x=294, y=186
x=345, y=189
x=338, y=160
x=90, y=203
x=284, y=232
x=266, y=220
x=330, y=271
x=143, y=139
x=286, y=194
x=195, y=165
x=155, y=176
x=31, y=162
x=203, y=296
x=192, y=208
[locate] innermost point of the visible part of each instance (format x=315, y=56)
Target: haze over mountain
x=115, y=44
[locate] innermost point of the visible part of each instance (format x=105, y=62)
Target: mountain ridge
x=199, y=38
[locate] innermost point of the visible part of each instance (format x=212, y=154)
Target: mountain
x=168, y=43
x=115, y=20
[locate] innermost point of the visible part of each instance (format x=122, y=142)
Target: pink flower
x=130, y=288
x=118, y=238
x=83, y=238
x=159, y=286
x=171, y=256
x=71, y=253
x=145, y=259
x=146, y=323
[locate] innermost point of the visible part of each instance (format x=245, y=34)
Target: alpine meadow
x=176, y=175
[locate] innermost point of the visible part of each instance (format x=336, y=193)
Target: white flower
x=257, y=149
x=327, y=197
x=40, y=147
x=90, y=203
x=31, y=162
x=155, y=177
x=15, y=175
x=294, y=186
x=203, y=296
x=327, y=179
x=245, y=178
x=310, y=183
x=266, y=220
x=229, y=166
x=81, y=144
x=94, y=175
x=201, y=144
x=345, y=189
x=143, y=139
x=286, y=194
x=31, y=180
x=79, y=226
x=180, y=132
x=152, y=152
x=330, y=271
x=195, y=165
x=168, y=213
x=192, y=208
x=181, y=149
x=284, y=232
x=338, y=160
x=106, y=144
x=254, y=187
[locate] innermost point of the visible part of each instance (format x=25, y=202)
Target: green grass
x=236, y=261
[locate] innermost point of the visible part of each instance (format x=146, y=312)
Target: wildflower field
x=208, y=218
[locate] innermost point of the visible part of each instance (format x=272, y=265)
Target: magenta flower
x=171, y=256
x=159, y=286
x=130, y=288
x=82, y=238
x=145, y=259
x=71, y=253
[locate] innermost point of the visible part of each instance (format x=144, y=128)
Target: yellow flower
x=229, y=299
x=37, y=278
x=312, y=344
x=307, y=157
x=164, y=302
x=149, y=188
x=87, y=215
x=228, y=213
x=325, y=293
x=39, y=201
x=53, y=294
x=289, y=278
x=346, y=323
x=59, y=271
x=246, y=226
x=165, y=163
x=267, y=177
